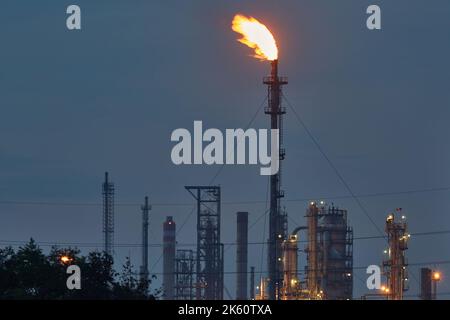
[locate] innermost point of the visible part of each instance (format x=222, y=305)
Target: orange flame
x=256, y=36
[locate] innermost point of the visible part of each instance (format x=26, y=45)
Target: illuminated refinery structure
x=394, y=266
x=329, y=258
x=329, y=270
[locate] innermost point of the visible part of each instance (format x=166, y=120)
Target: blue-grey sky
x=77, y=103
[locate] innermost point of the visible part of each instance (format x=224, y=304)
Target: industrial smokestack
x=169, y=242
x=241, y=255
x=425, y=284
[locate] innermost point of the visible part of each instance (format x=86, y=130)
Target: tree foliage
x=28, y=273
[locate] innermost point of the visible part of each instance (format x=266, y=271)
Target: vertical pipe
x=241, y=255
x=169, y=242
x=312, y=278
x=144, y=268
x=252, y=283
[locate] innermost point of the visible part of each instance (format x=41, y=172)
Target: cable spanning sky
x=76, y=104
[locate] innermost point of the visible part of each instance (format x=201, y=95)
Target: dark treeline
x=28, y=273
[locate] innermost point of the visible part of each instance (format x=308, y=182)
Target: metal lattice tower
x=209, y=262
x=145, y=215
x=396, y=263
x=108, y=215
x=184, y=275
x=277, y=225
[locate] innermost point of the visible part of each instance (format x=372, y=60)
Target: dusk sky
x=75, y=104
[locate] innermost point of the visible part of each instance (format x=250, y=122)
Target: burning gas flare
x=257, y=36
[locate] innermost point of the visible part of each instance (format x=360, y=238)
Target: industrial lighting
x=436, y=276
x=65, y=259
x=385, y=289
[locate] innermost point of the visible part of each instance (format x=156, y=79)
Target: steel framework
x=209, y=260
x=184, y=275
x=108, y=215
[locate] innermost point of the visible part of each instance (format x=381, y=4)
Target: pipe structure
x=241, y=255
x=277, y=221
x=252, y=283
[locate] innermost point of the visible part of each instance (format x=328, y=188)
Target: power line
x=302, y=272
x=184, y=204
x=331, y=164
x=159, y=245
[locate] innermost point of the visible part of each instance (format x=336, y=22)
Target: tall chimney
x=169, y=242
x=241, y=255
x=425, y=284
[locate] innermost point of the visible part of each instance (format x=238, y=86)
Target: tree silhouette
x=30, y=274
